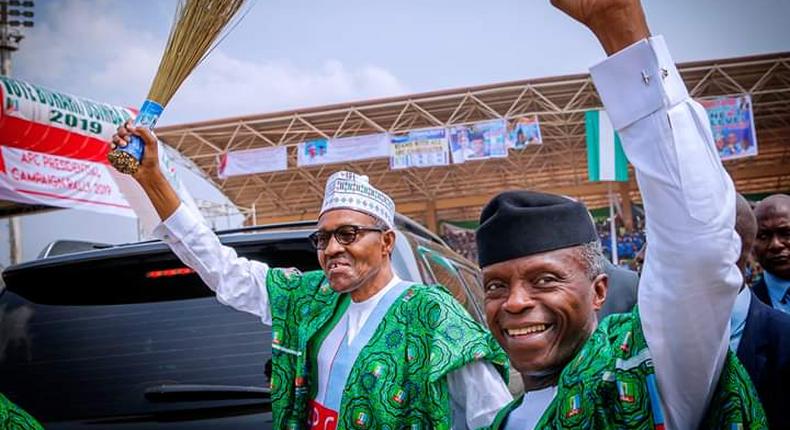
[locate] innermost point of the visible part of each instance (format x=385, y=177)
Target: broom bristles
x=198, y=24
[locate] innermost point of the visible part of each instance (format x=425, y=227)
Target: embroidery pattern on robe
x=399, y=378
x=14, y=418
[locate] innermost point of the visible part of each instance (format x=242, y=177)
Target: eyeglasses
x=344, y=235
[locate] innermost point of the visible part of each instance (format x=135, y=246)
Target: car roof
x=53, y=256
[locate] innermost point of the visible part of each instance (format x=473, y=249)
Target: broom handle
x=149, y=114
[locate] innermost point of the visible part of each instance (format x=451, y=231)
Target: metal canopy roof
x=457, y=192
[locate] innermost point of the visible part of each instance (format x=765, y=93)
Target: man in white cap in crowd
x=353, y=345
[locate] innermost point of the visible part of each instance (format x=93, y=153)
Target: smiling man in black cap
x=666, y=364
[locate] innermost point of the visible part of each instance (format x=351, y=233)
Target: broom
x=198, y=24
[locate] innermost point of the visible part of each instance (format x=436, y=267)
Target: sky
x=289, y=54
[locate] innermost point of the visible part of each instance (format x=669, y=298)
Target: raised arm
x=149, y=175
x=689, y=281
x=238, y=282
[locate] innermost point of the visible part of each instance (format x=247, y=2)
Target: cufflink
x=645, y=77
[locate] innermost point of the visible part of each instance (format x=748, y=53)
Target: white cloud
x=79, y=43
x=226, y=86
x=92, y=49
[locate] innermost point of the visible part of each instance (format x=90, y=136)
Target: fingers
x=123, y=135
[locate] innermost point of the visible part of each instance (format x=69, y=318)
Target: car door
x=136, y=343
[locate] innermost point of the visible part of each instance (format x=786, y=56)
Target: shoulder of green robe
x=456, y=339
x=14, y=418
x=735, y=404
x=290, y=280
x=617, y=336
x=293, y=283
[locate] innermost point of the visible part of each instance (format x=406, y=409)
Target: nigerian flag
x=605, y=157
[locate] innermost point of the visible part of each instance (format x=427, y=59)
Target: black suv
x=126, y=337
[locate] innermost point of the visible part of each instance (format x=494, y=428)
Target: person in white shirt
x=353, y=345
x=667, y=363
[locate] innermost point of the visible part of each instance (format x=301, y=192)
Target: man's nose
x=776, y=243
x=519, y=300
x=333, y=247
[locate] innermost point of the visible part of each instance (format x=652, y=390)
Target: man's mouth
x=780, y=257
x=335, y=265
x=527, y=330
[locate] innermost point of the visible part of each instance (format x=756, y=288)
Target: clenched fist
x=616, y=23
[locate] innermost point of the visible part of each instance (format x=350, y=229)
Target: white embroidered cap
x=347, y=190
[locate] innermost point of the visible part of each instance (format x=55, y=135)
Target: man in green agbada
x=666, y=364
x=12, y=417
x=353, y=345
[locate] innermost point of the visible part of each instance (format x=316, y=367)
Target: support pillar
x=625, y=200
x=430, y=216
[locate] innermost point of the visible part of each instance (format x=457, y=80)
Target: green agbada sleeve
x=14, y=418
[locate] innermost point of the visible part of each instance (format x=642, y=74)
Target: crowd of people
x=460, y=240
x=629, y=243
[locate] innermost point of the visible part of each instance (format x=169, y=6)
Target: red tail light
x=169, y=272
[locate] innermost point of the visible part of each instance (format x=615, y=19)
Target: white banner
x=421, y=148
x=250, y=161
x=59, y=181
x=340, y=150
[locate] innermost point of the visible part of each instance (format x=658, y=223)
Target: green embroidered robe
x=14, y=418
x=399, y=378
x=611, y=384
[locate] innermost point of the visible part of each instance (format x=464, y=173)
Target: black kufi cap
x=520, y=223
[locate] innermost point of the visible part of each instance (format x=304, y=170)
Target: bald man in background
x=772, y=250
x=760, y=335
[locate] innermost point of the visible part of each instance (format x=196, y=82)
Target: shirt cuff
x=638, y=81
x=177, y=225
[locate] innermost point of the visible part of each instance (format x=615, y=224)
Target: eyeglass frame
x=333, y=233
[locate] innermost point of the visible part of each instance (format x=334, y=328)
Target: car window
x=88, y=340
x=443, y=270
x=474, y=286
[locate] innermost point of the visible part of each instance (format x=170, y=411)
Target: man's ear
x=600, y=286
x=388, y=238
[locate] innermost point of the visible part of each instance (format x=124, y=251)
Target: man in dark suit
x=772, y=249
x=621, y=294
x=761, y=335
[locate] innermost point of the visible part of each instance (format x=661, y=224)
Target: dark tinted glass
x=87, y=340
x=444, y=270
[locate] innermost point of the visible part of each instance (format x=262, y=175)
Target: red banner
x=39, y=119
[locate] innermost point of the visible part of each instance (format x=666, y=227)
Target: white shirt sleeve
x=477, y=393
x=238, y=282
x=689, y=280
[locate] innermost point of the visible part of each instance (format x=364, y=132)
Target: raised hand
x=148, y=175
x=616, y=23
x=149, y=166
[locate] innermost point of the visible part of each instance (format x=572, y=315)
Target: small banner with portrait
x=523, y=132
x=732, y=124
x=478, y=141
